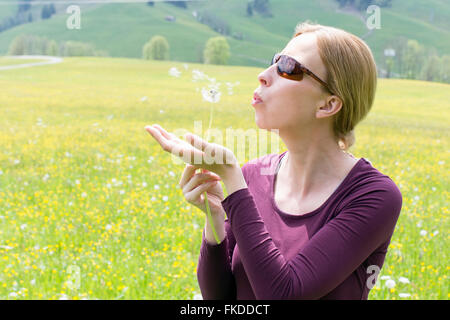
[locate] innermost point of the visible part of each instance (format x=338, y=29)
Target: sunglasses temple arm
x=318, y=79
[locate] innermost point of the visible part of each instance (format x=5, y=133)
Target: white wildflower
x=165, y=198
x=403, y=280
x=390, y=283
x=174, y=72
x=198, y=296
x=423, y=233
x=404, y=295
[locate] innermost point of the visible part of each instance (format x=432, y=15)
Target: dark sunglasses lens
x=287, y=69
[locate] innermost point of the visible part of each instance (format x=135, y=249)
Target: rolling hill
x=122, y=29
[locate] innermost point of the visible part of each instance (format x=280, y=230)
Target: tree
x=45, y=12
x=413, y=57
x=151, y=3
x=217, y=51
x=48, y=11
x=249, y=9
x=431, y=70
x=52, y=48
x=262, y=7
x=445, y=70
x=24, y=6
x=214, y=22
x=18, y=46
x=156, y=49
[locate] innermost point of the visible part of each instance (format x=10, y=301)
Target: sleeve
x=328, y=258
x=214, y=275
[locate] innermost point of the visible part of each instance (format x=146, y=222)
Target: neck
x=313, y=162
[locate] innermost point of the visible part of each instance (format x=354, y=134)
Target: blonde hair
x=351, y=75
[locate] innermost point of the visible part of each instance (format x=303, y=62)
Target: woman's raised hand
x=196, y=151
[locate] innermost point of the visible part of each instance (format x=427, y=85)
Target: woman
x=319, y=226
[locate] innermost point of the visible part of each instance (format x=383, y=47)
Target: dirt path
x=49, y=60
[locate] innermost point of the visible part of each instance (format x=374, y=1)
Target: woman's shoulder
x=366, y=181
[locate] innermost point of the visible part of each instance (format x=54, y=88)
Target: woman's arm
x=328, y=258
x=214, y=275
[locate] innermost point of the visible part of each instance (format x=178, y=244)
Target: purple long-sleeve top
x=322, y=254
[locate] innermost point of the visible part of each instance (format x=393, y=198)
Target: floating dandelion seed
x=197, y=75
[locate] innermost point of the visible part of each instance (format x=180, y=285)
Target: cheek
x=294, y=100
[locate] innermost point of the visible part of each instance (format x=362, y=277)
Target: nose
x=266, y=77
x=263, y=77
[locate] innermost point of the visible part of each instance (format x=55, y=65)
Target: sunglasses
x=290, y=68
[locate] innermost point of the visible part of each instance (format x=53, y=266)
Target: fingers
x=198, y=179
x=165, y=134
x=196, y=141
x=187, y=174
x=195, y=194
x=175, y=146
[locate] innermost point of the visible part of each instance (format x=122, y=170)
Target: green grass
x=82, y=184
x=122, y=29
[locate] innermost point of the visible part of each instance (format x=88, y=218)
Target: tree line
x=24, y=15
x=411, y=60
x=35, y=45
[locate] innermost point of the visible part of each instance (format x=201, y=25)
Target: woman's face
x=288, y=103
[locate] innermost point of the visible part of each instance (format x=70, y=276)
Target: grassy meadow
x=90, y=206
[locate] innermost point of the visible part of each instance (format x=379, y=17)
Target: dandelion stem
x=205, y=194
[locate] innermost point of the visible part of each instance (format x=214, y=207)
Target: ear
x=329, y=107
